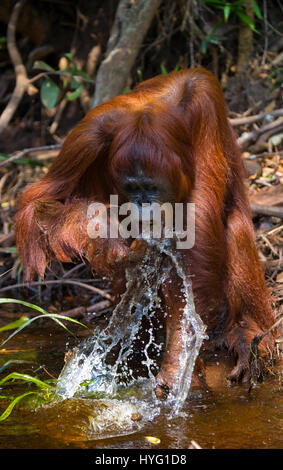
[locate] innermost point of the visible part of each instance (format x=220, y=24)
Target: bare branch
x=248, y=136
x=94, y=289
x=273, y=211
x=23, y=152
x=20, y=71
x=256, y=117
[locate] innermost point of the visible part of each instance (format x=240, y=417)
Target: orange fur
x=175, y=125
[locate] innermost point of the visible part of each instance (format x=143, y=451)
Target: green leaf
x=14, y=324
x=52, y=316
x=74, y=83
x=203, y=46
x=163, y=69
x=73, y=72
x=69, y=56
x=257, y=10
x=26, y=378
x=246, y=20
x=9, y=409
x=73, y=96
x=226, y=12
x=49, y=92
x=40, y=65
x=81, y=73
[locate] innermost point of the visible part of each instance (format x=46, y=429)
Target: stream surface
x=103, y=401
x=224, y=417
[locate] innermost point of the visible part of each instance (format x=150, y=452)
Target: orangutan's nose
x=140, y=189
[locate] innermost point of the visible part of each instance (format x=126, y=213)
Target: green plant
x=20, y=161
x=237, y=7
x=164, y=70
x=25, y=322
x=46, y=390
x=70, y=85
x=234, y=7
x=212, y=38
x=44, y=394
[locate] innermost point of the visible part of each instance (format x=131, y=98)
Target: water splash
x=193, y=333
x=88, y=363
x=76, y=419
x=89, y=368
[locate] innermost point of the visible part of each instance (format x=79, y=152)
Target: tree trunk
x=245, y=44
x=132, y=20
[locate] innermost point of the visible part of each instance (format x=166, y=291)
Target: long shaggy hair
x=173, y=126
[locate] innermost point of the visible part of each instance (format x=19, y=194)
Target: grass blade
x=14, y=324
x=9, y=409
x=53, y=316
x=26, y=378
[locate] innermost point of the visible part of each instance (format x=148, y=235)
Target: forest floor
x=255, y=110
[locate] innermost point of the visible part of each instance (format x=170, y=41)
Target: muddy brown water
x=221, y=417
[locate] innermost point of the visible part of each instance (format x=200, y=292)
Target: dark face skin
x=140, y=189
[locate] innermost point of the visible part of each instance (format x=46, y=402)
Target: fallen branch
x=71, y=271
x=263, y=155
x=267, y=242
x=274, y=211
x=97, y=309
x=256, y=117
x=248, y=136
x=23, y=152
x=94, y=289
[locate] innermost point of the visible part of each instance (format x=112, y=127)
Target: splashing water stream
x=88, y=366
